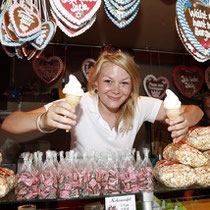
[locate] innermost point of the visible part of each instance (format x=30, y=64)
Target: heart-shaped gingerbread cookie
x=155, y=87
x=188, y=80
x=24, y=22
x=48, y=69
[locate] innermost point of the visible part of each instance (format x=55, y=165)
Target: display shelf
x=190, y=196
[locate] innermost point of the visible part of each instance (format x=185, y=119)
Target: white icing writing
x=79, y=7
x=200, y=22
x=201, y=32
x=25, y=18
x=188, y=81
x=198, y=13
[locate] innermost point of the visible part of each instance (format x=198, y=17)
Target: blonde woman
x=110, y=114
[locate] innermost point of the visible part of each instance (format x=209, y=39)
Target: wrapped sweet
x=145, y=173
x=27, y=184
x=203, y=175
x=173, y=174
x=128, y=175
x=199, y=138
x=48, y=178
x=68, y=178
x=185, y=154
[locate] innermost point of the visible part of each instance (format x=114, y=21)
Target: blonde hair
x=126, y=62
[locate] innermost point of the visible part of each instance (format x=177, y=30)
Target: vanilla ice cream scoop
x=171, y=101
x=73, y=87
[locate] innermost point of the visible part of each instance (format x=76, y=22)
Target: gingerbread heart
x=193, y=17
x=47, y=69
x=87, y=64
x=77, y=11
x=74, y=32
x=207, y=77
x=155, y=87
x=45, y=35
x=188, y=80
x=24, y=22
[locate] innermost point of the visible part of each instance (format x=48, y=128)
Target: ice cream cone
x=73, y=101
x=172, y=114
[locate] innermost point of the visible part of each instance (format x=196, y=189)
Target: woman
x=109, y=114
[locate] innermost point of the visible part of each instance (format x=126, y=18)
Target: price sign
x=125, y=202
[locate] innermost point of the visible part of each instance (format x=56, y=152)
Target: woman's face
x=114, y=86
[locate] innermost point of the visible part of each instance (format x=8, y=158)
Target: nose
x=116, y=88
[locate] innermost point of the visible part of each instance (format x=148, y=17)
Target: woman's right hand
x=59, y=115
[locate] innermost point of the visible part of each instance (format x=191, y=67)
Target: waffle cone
x=72, y=100
x=172, y=114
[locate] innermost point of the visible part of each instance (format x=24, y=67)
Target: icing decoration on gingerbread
x=193, y=17
x=48, y=69
x=188, y=45
x=74, y=32
x=188, y=80
x=46, y=34
x=77, y=11
x=155, y=87
x=24, y=22
x=121, y=13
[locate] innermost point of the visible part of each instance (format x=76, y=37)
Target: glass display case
x=191, y=198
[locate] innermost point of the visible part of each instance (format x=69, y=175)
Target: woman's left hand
x=178, y=128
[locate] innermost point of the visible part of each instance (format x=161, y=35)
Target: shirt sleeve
x=148, y=108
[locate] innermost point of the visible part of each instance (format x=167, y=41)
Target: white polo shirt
x=92, y=132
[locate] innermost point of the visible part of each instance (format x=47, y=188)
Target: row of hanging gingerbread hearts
x=22, y=30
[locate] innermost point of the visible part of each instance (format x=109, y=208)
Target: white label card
x=126, y=202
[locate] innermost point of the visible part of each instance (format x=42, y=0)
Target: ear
x=96, y=84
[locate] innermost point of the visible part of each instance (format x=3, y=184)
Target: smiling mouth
x=114, y=98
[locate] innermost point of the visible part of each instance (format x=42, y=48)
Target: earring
x=96, y=91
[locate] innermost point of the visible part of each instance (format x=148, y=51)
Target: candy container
x=145, y=174
x=27, y=185
x=92, y=177
x=48, y=178
x=128, y=175
x=112, y=186
x=69, y=178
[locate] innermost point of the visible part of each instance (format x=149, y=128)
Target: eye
x=108, y=81
x=125, y=83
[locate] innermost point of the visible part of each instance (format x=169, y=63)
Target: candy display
x=199, y=138
x=203, y=175
x=82, y=176
x=173, y=174
x=185, y=154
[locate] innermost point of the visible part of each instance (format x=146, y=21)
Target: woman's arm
x=190, y=116
x=22, y=122
x=59, y=115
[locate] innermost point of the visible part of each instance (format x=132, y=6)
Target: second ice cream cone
x=172, y=114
